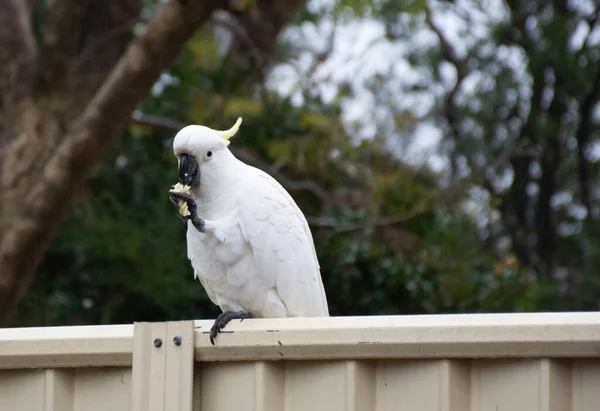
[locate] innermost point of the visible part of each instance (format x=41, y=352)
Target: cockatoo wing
x=284, y=253
x=201, y=259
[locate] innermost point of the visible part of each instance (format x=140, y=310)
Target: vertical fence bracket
x=163, y=366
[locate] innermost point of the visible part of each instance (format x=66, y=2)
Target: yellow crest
x=227, y=134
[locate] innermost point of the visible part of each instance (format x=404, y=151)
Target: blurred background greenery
x=445, y=153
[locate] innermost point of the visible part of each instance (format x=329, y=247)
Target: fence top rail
x=75, y=346
x=515, y=335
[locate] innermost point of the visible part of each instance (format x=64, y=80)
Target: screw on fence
x=177, y=340
x=157, y=342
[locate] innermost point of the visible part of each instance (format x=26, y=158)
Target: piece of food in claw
x=183, y=207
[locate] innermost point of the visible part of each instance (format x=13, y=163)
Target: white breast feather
x=268, y=246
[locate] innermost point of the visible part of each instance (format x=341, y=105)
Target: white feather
x=257, y=253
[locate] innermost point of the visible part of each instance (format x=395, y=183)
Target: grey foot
x=191, y=203
x=223, y=319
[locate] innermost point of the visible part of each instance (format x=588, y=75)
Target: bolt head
x=177, y=340
x=157, y=342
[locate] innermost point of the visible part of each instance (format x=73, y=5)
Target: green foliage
x=121, y=254
x=204, y=51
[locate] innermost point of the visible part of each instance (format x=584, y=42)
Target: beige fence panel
x=496, y=362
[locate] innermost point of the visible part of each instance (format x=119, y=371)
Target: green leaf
x=241, y=106
x=204, y=51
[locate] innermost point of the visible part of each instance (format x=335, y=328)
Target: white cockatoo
x=248, y=242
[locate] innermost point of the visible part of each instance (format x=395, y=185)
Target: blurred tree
x=518, y=112
x=72, y=72
x=392, y=237
x=388, y=236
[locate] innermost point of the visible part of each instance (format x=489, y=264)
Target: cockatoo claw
x=175, y=197
x=183, y=219
x=191, y=205
x=223, y=319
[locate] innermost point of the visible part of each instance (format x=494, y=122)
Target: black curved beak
x=189, y=171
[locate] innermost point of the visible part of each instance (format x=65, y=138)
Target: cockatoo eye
x=209, y=154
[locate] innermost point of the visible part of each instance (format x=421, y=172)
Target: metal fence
x=495, y=362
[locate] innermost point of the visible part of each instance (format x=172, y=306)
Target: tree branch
x=16, y=36
x=323, y=55
x=60, y=37
x=550, y=160
x=516, y=203
x=591, y=24
x=18, y=51
x=582, y=134
x=263, y=23
x=87, y=54
x=462, y=71
x=150, y=120
x=255, y=56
